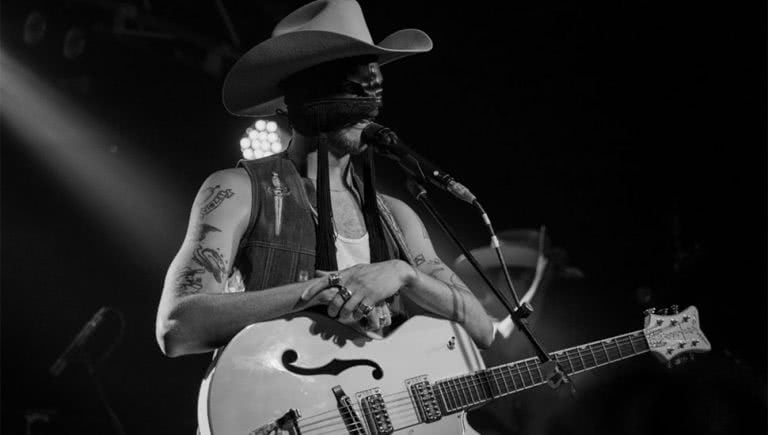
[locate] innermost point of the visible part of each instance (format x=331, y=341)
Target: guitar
x=307, y=374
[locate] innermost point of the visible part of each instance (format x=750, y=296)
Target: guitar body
x=295, y=362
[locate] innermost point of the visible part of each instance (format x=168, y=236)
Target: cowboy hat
x=318, y=32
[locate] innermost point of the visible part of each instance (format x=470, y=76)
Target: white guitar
x=308, y=374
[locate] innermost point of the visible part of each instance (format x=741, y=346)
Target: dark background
x=635, y=131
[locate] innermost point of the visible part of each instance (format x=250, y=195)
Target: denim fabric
x=273, y=251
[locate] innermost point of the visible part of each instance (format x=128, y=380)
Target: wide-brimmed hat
x=318, y=32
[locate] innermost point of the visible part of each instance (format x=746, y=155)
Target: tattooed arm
x=195, y=313
x=435, y=287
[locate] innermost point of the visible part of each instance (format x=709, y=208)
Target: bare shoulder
x=399, y=208
x=233, y=177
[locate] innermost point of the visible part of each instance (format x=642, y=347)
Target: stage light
x=74, y=43
x=35, y=27
x=261, y=139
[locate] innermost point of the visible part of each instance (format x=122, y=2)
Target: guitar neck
x=467, y=391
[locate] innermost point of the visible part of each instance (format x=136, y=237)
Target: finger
x=374, y=319
x=386, y=317
x=313, y=289
x=335, y=305
x=348, y=310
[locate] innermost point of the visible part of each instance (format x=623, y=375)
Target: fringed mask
x=334, y=95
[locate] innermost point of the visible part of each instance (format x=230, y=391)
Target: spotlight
x=261, y=139
x=34, y=28
x=74, y=43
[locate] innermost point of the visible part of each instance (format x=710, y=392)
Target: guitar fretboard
x=462, y=392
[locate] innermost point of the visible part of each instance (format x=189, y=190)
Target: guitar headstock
x=671, y=336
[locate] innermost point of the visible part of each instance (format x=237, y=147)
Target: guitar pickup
x=424, y=398
x=375, y=412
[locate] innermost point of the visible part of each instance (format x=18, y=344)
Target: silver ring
x=344, y=293
x=363, y=308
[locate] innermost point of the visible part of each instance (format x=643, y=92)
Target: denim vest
x=278, y=246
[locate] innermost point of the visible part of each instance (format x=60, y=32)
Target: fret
x=480, y=387
x=513, y=371
x=492, y=375
x=468, y=382
x=511, y=377
x=581, y=358
x=489, y=391
x=466, y=395
x=483, y=386
x=526, y=375
x=618, y=348
x=454, y=397
x=447, y=399
x=601, y=347
x=536, y=376
x=504, y=379
x=607, y=356
x=588, y=358
x=577, y=359
x=441, y=394
x=567, y=360
x=461, y=398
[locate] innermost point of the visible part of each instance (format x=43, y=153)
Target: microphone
x=82, y=336
x=386, y=142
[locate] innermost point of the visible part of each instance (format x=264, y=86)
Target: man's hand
x=368, y=285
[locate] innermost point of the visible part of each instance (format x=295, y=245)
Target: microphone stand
x=551, y=370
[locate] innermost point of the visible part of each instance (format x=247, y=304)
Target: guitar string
x=514, y=369
x=465, y=383
x=358, y=426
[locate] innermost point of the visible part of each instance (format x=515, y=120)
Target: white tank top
x=350, y=252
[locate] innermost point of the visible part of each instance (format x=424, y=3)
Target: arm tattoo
x=188, y=282
x=219, y=195
x=212, y=261
x=459, y=308
x=419, y=260
x=204, y=229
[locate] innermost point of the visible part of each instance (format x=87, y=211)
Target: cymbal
x=520, y=248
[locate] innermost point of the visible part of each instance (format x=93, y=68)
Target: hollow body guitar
x=308, y=374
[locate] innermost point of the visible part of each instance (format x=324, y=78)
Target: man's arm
x=195, y=314
x=434, y=286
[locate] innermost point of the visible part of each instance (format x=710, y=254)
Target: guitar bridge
x=348, y=415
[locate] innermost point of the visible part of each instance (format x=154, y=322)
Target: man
x=302, y=230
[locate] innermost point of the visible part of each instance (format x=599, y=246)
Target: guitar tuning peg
x=663, y=311
x=649, y=311
x=675, y=309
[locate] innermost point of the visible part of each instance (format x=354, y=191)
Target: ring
x=334, y=279
x=363, y=308
x=344, y=293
